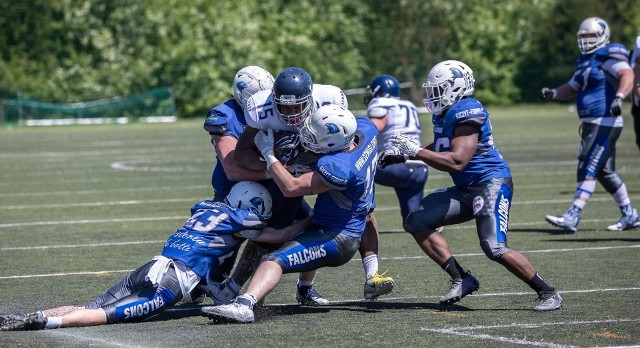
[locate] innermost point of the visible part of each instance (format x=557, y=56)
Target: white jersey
x=402, y=118
x=260, y=111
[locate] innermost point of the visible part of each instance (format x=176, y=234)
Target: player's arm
x=272, y=235
x=563, y=92
x=379, y=116
x=305, y=185
x=636, y=79
x=625, y=87
x=463, y=146
x=246, y=153
x=225, y=149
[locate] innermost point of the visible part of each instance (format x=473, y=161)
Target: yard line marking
x=100, y=341
x=87, y=192
x=100, y=204
x=460, y=331
x=66, y=274
x=43, y=247
x=101, y=221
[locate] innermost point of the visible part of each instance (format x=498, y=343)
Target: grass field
x=80, y=206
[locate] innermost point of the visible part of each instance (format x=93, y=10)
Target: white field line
x=563, y=250
x=89, y=192
x=464, y=331
x=89, y=341
x=97, y=221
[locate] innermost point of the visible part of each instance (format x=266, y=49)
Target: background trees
x=80, y=50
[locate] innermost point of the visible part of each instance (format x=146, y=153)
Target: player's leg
x=375, y=284
x=441, y=208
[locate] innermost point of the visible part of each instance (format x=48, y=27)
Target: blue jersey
x=595, y=84
x=224, y=119
x=214, y=231
x=350, y=175
x=486, y=163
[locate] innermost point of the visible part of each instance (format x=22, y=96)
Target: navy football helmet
x=292, y=94
x=385, y=86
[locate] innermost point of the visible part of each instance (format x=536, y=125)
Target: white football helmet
x=447, y=82
x=250, y=195
x=249, y=80
x=331, y=128
x=593, y=34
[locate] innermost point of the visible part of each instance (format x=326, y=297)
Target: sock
x=463, y=272
x=538, y=284
x=449, y=266
x=307, y=283
x=370, y=264
x=621, y=196
x=247, y=300
x=53, y=322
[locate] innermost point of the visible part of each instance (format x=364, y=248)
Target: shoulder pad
x=216, y=122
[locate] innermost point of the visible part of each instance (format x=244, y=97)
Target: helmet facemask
x=447, y=82
x=593, y=34
x=293, y=111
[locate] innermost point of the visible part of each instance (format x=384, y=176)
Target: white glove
x=264, y=143
x=406, y=146
x=616, y=105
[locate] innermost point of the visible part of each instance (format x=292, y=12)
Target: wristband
x=620, y=95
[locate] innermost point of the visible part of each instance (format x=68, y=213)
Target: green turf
x=67, y=193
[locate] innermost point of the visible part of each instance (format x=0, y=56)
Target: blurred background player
x=463, y=146
x=294, y=98
x=343, y=181
x=603, y=78
x=393, y=115
x=214, y=231
x=635, y=94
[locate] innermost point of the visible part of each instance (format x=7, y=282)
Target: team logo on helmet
x=241, y=85
x=456, y=72
x=332, y=128
x=258, y=202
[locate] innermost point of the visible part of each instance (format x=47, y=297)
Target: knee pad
x=492, y=250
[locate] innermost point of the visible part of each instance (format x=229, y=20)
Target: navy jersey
x=226, y=119
x=486, y=163
x=350, y=175
x=214, y=231
x=596, y=82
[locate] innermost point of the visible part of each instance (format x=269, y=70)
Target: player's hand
x=616, y=106
x=547, y=93
x=407, y=146
x=390, y=157
x=264, y=143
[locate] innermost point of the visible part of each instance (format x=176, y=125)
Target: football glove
x=407, y=146
x=547, y=93
x=616, y=105
x=264, y=143
x=390, y=157
x=286, y=146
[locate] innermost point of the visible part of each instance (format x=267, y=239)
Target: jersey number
x=412, y=116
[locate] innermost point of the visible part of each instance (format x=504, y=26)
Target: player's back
x=210, y=232
x=350, y=174
x=402, y=118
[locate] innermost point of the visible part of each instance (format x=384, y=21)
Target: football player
x=343, y=181
x=603, y=78
x=214, y=231
x=635, y=95
x=294, y=98
x=463, y=146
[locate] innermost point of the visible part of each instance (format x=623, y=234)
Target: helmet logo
x=602, y=27
x=258, y=202
x=287, y=99
x=332, y=128
x=456, y=73
x=241, y=85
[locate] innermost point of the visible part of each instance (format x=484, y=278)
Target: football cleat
x=548, y=301
x=238, y=311
x=626, y=222
x=568, y=221
x=376, y=286
x=22, y=321
x=220, y=293
x=308, y=296
x=460, y=288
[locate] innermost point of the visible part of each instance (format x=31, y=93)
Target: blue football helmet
x=292, y=94
x=385, y=86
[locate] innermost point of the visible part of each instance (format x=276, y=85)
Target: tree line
x=64, y=51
